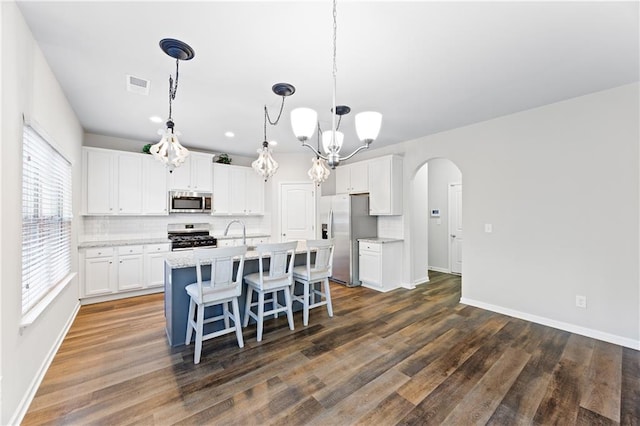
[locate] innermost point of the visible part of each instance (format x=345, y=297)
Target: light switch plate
x=488, y=228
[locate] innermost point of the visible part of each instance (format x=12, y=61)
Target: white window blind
x=46, y=218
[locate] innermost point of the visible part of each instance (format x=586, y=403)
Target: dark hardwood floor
x=403, y=357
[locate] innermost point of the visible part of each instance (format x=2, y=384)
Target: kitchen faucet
x=244, y=230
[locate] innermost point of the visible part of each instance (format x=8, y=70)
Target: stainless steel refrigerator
x=345, y=218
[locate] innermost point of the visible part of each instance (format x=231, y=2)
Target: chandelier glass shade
x=305, y=120
x=265, y=165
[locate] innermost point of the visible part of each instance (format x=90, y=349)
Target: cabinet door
x=385, y=180
x=130, y=272
x=154, y=187
x=237, y=190
x=359, y=177
x=155, y=269
x=99, y=174
x=254, y=193
x=98, y=276
x=181, y=176
x=129, y=173
x=221, y=193
x=201, y=172
x=369, y=268
x=343, y=179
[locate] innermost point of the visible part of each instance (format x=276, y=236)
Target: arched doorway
x=435, y=219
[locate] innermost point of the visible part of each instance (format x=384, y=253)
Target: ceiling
x=426, y=66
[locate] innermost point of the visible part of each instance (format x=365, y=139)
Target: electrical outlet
x=581, y=301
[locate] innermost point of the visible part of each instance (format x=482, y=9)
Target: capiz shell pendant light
x=265, y=165
x=168, y=149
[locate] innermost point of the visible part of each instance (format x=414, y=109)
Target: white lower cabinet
x=121, y=271
x=130, y=268
x=99, y=271
x=154, y=255
x=380, y=264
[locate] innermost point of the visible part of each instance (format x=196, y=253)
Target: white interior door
x=297, y=211
x=455, y=227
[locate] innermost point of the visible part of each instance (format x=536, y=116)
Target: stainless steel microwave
x=189, y=202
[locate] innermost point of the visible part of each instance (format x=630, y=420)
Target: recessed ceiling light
x=155, y=119
x=229, y=134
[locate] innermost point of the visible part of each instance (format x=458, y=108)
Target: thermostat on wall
x=435, y=212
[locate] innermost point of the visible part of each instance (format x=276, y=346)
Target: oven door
x=187, y=202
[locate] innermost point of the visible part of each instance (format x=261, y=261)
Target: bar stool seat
x=278, y=277
x=311, y=274
x=222, y=289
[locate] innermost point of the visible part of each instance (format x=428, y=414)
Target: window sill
x=35, y=312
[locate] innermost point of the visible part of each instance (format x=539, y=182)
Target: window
x=46, y=218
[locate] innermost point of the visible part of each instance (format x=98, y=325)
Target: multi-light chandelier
x=169, y=150
x=265, y=165
x=305, y=120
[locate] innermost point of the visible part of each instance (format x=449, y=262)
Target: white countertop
x=377, y=240
x=114, y=243
x=184, y=258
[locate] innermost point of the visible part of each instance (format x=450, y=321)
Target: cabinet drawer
x=157, y=248
x=124, y=250
x=370, y=246
x=99, y=252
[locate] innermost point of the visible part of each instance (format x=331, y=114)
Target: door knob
x=453, y=236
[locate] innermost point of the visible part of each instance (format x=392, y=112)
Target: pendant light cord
x=173, y=89
x=334, y=72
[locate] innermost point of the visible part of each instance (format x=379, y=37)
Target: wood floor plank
x=403, y=357
x=602, y=390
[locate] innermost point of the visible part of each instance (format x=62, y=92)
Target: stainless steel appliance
x=189, y=202
x=345, y=218
x=187, y=236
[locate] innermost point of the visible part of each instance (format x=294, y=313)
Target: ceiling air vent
x=138, y=85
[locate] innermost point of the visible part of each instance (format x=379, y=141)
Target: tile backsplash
x=391, y=226
x=99, y=228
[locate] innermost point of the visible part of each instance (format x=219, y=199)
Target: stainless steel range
x=187, y=236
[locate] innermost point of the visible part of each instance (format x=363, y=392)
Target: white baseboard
x=123, y=295
x=20, y=412
x=572, y=328
x=437, y=269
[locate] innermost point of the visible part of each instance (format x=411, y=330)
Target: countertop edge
x=381, y=240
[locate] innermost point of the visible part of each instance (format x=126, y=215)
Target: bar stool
x=278, y=277
x=222, y=289
x=311, y=274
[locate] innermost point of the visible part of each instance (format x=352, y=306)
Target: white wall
x=442, y=172
x=420, y=248
x=28, y=86
x=560, y=185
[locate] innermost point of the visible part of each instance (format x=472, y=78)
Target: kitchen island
x=180, y=271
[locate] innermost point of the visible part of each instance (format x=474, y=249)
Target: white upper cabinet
x=194, y=174
x=123, y=183
x=98, y=170
x=129, y=178
x=237, y=191
x=385, y=183
x=352, y=178
x=155, y=187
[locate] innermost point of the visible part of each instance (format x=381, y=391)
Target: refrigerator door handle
x=330, y=222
